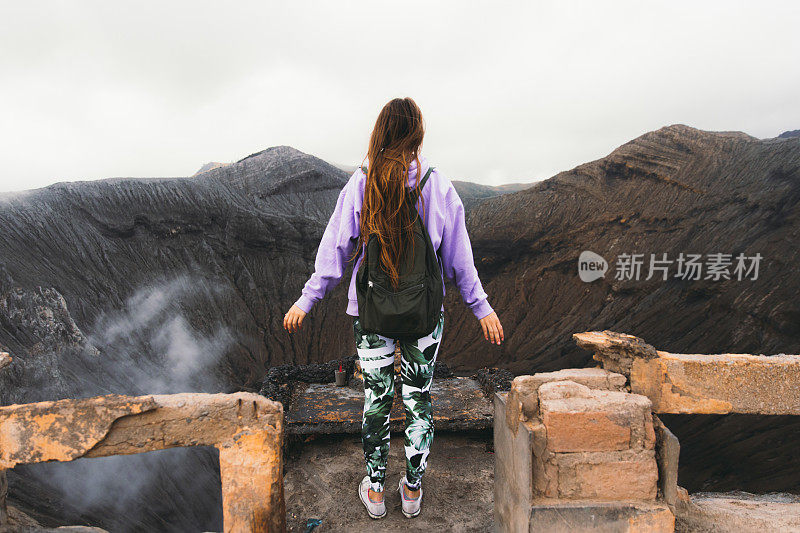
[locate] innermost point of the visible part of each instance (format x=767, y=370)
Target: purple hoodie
x=444, y=220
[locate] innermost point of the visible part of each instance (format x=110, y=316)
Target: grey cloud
x=512, y=91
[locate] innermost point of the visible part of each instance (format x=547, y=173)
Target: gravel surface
x=321, y=482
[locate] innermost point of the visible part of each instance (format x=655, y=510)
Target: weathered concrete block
x=585, y=432
x=251, y=470
x=739, y=512
x=627, y=475
x=616, y=351
x=545, y=478
x=580, y=419
x=619, y=517
x=523, y=400
x=700, y=383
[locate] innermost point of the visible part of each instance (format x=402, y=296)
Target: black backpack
x=413, y=310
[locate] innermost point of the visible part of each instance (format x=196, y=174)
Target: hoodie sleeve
x=337, y=244
x=457, y=261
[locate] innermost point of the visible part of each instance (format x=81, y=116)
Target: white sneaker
x=411, y=507
x=375, y=510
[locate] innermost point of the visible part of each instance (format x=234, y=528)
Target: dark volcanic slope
x=226, y=250
x=674, y=190
x=242, y=238
x=155, y=285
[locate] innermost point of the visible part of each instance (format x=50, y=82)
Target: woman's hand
x=492, y=329
x=293, y=319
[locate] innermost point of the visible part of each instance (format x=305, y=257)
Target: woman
x=365, y=210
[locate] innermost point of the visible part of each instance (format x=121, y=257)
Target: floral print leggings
x=376, y=355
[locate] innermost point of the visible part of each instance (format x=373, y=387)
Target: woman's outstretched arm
x=459, y=265
x=337, y=244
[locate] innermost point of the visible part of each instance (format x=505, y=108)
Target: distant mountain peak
x=279, y=169
x=209, y=166
x=277, y=152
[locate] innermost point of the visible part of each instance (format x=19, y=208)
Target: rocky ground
x=321, y=483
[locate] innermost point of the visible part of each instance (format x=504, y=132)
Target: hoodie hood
x=413, y=171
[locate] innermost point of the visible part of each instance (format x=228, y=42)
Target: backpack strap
x=424, y=180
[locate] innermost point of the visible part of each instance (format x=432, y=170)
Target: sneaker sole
x=410, y=515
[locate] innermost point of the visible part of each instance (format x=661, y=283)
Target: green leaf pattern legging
x=376, y=355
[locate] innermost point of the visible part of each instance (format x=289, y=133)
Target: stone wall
x=573, y=447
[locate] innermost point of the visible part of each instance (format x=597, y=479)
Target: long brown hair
x=385, y=214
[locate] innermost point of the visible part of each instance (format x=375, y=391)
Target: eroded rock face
x=673, y=190
x=228, y=249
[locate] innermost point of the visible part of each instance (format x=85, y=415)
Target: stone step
x=319, y=408
x=601, y=517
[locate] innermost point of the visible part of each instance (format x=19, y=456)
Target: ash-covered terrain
x=162, y=285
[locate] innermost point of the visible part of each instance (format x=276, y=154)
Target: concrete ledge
x=537, y=489
x=700, y=383
x=523, y=398
x=513, y=472
x=737, y=512
x=458, y=404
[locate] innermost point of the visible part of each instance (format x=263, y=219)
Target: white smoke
x=148, y=346
x=150, y=343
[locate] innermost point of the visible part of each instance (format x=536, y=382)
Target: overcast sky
x=509, y=91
